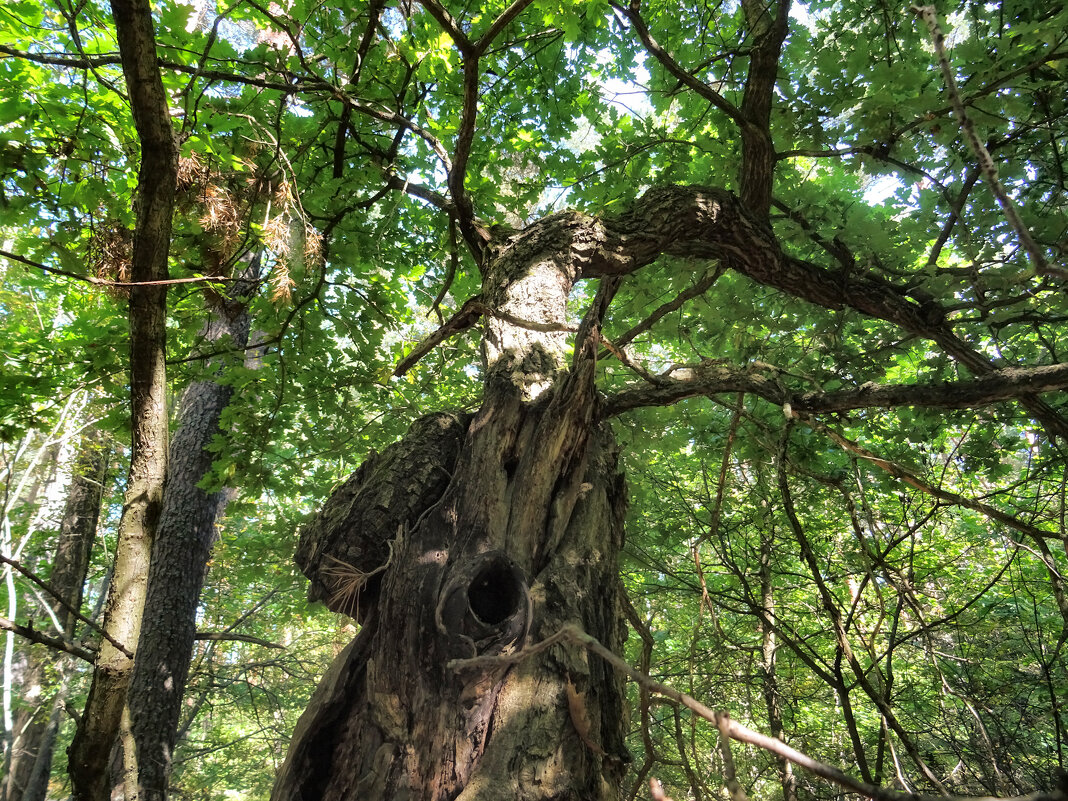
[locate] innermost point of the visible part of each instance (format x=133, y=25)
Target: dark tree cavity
x=470, y=537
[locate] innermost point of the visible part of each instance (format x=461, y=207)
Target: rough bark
x=180, y=554
x=36, y=727
x=390, y=721
x=89, y=752
x=522, y=539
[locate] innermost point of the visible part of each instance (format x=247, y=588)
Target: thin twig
x=986, y=162
x=91, y=279
x=901, y=473
x=736, y=731
x=219, y=636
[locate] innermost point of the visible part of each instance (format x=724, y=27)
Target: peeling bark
x=345, y=547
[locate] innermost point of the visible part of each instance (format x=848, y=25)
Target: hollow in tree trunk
x=473, y=536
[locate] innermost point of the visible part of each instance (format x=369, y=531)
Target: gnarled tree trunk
x=473, y=536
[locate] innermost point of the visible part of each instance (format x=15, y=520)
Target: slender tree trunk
x=768, y=24
x=99, y=726
x=179, y=559
x=36, y=728
x=769, y=649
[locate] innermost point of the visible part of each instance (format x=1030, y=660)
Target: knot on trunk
x=484, y=606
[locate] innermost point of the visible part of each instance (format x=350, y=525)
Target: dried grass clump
x=347, y=582
x=110, y=253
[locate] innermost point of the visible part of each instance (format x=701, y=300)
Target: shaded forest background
x=846, y=471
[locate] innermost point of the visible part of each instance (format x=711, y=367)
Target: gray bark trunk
x=36, y=728
x=184, y=538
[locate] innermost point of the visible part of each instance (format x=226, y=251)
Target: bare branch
x=33, y=635
x=897, y=471
x=954, y=215
x=665, y=309
x=986, y=162
x=910, y=478
x=220, y=636
x=499, y=24
x=462, y=320
x=92, y=279
x=736, y=731
x=449, y=24
x=302, y=85
x=714, y=378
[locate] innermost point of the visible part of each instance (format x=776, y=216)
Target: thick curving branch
x=711, y=223
x=710, y=378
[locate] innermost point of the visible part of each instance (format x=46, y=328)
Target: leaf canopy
x=909, y=616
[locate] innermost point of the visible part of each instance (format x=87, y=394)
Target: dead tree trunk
x=472, y=536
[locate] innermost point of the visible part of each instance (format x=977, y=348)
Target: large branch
x=1011, y=383
x=768, y=27
x=711, y=223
